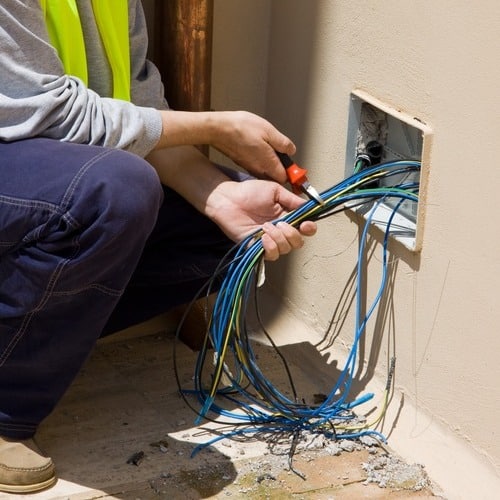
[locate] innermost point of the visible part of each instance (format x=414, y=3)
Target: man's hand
x=240, y=208
x=247, y=139
x=251, y=141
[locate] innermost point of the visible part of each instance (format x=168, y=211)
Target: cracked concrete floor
x=122, y=431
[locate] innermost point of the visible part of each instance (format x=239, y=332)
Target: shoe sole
x=28, y=488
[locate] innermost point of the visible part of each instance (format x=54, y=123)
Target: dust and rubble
x=320, y=468
x=388, y=470
x=139, y=444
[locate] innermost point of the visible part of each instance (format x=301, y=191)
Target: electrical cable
x=263, y=408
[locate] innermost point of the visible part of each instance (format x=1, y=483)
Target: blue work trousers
x=90, y=243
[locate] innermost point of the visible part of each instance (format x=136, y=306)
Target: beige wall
x=296, y=62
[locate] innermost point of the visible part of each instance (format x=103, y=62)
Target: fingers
x=308, y=228
x=288, y=200
x=280, y=142
x=280, y=239
x=252, y=141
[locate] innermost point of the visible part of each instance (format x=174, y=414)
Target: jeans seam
x=45, y=297
x=113, y=292
x=76, y=179
x=49, y=290
x=20, y=202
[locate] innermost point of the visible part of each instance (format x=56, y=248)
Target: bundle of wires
x=260, y=406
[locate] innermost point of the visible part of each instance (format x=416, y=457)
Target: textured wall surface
x=297, y=62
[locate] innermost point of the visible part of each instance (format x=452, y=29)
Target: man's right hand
x=247, y=139
x=241, y=208
x=238, y=208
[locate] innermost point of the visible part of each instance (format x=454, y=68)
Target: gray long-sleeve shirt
x=37, y=99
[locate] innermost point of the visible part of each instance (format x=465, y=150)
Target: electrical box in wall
x=397, y=136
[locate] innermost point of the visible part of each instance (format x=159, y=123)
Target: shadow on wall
x=293, y=69
x=292, y=104
x=318, y=361
x=323, y=370
x=292, y=57
x=292, y=52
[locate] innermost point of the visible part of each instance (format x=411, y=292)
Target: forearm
x=238, y=208
x=182, y=128
x=189, y=173
x=247, y=139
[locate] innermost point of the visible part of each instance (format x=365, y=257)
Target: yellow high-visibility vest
x=66, y=35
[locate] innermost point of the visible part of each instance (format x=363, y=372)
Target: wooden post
x=183, y=51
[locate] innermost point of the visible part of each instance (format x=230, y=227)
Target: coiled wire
x=261, y=406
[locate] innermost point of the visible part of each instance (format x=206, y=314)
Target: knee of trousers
x=119, y=192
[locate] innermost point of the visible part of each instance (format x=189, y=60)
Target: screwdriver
x=297, y=177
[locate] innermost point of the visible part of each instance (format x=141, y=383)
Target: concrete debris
x=162, y=445
x=389, y=471
x=368, y=441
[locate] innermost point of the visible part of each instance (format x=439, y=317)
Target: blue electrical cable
x=262, y=407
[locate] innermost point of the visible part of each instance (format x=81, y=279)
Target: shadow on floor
x=123, y=431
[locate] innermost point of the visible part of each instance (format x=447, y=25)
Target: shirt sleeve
x=38, y=100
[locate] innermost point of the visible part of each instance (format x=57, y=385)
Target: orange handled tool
x=297, y=177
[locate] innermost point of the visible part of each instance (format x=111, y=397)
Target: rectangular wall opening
x=372, y=124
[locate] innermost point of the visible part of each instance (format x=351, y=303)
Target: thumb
x=288, y=200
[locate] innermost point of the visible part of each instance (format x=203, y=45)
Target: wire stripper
x=297, y=177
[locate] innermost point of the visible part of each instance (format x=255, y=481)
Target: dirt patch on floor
x=319, y=469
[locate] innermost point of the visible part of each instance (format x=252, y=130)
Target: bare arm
x=238, y=208
x=37, y=99
x=249, y=140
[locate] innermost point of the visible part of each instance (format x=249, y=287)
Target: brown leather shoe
x=23, y=467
